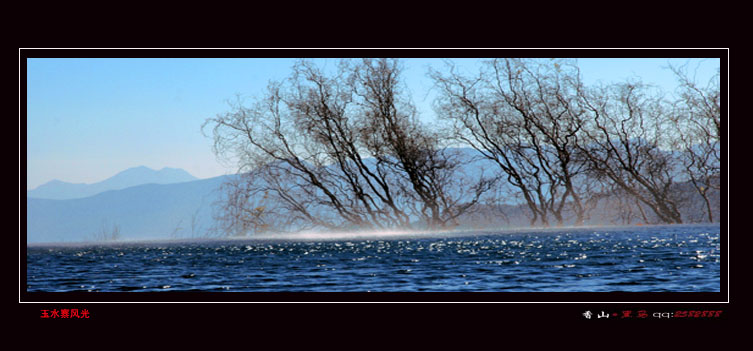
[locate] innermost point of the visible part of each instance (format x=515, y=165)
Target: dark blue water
x=656, y=258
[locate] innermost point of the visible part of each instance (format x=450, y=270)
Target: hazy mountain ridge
x=60, y=190
x=141, y=212
x=186, y=210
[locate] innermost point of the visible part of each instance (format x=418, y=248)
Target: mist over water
x=650, y=258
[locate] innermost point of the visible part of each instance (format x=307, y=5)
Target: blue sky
x=88, y=119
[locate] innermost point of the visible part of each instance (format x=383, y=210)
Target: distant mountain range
x=170, y=203
x=148, y=211
x=60, y=190
x=137, y=201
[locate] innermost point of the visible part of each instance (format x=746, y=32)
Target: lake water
x=647, y=259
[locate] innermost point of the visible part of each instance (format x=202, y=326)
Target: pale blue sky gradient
x=88, y=119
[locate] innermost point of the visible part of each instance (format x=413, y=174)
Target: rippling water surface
x=655, y=258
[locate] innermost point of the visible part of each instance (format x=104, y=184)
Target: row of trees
x=340, y=151
x=347, y=150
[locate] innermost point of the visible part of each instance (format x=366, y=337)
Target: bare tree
x=177, y=229
x=195, y=223
x=395, y=138
x=627, y=142
x=342, y=150
x=524, y=116
x=107, y=233
x=697, y=116
x=244, y=206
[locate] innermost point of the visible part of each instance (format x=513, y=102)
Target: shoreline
x=323, y=236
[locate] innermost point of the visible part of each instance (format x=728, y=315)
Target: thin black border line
x=724, y=68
